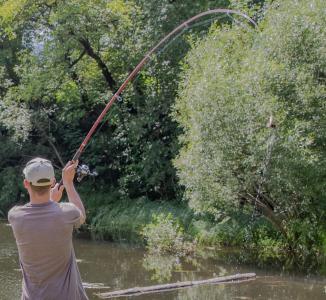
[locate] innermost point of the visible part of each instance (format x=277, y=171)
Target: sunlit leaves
x=9, y=9
x=16, y=118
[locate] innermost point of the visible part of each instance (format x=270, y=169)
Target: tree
x=72, y=56
x=234, y=81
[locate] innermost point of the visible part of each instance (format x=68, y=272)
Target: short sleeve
x=12, y=214
x=72, y=214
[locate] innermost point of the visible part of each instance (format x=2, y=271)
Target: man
x=43, y=231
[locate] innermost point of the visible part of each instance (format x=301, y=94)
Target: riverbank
x=125, y=221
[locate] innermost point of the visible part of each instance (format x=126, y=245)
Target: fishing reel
x=83, y=171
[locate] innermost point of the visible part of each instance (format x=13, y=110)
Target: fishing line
x=208, y=21
x=236, y=21
x=152, y=62
x=211, y=20
x=144, y=61
x=202, y=23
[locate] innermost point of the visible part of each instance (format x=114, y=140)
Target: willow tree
x=236, y=81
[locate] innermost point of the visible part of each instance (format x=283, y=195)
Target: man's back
x=43, y=234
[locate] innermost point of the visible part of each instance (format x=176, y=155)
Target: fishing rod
x=141, y=64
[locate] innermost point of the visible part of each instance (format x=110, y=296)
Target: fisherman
x=43, y=231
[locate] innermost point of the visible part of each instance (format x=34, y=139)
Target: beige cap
x=39, y=172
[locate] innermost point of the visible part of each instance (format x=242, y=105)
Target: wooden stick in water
x=177, y=285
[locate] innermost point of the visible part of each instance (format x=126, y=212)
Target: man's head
x=39, y=176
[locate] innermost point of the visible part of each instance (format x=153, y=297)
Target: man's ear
x=26, y=184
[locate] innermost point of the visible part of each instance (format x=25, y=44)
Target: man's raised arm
x=68, y=174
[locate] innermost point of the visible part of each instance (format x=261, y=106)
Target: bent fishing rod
x=146, y=59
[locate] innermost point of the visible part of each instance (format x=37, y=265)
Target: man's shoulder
x=16, y=211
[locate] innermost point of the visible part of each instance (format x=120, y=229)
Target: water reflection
x=161, y=266
x=10, y=275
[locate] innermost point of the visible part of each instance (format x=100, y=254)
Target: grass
x=111, y=218
x=124, y=220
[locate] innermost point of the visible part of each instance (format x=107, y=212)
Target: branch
x=71, y=64
x=82, y=92
x=74, y=75
x=268, y=213
x=55, y=150
x=105, y=71
x=51, y=143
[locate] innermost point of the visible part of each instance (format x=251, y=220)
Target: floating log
x=177, y=285
x=96, y=286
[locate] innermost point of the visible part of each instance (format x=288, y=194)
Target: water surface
x=119, y=266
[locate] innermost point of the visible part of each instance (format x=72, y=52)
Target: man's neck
x=36, y=199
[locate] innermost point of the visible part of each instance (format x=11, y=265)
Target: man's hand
x=56, y=193
x=68, y=173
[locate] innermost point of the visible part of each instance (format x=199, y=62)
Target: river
x=118, y=266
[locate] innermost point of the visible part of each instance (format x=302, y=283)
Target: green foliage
x=200, y=111
x=10, y=188
x=164, y=234
x=234, y=80
x=62, y=60
x=228, y=232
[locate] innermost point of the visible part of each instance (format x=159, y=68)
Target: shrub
x=123, y=220
x=165, y=235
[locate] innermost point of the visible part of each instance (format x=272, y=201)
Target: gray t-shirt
x=43, y=235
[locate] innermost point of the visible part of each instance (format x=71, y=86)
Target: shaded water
x=119, y=266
